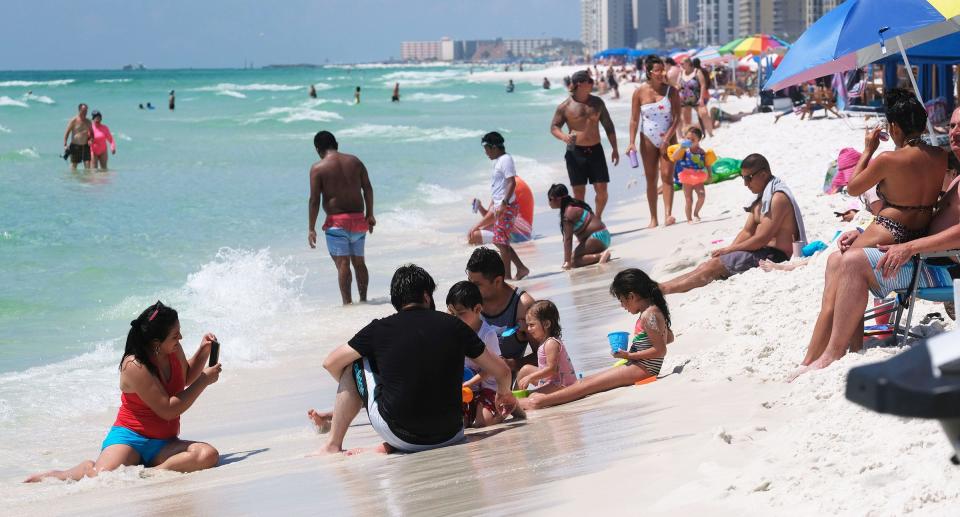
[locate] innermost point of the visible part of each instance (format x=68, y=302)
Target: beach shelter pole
x=913, y=81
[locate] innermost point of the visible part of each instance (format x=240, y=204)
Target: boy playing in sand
x=691, y=161
x=464, y=302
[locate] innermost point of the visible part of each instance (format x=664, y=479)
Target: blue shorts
x=341, y=243
x=147, y=448
x=930, y=276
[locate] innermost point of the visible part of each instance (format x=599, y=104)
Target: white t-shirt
x=488, y=335
x=503, y=168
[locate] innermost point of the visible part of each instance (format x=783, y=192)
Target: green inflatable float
x=723, y=169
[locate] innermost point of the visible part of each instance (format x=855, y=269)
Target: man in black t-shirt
x=407, y=371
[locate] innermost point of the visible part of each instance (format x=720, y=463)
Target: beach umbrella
x=611, y=52
x=709, y=55
x=728, y=48
x=856, y=33
x=759, y=44
x=747, y=64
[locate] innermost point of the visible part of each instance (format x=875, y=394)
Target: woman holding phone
x=157, y=384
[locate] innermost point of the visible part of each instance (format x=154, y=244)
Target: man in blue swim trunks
x=854, y=272
x=340, y=182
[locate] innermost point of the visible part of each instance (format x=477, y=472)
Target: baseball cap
x=581, y=76
x=95, y=114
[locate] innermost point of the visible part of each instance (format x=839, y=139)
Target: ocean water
x=205, y=208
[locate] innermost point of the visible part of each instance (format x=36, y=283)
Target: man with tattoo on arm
x=583, y=113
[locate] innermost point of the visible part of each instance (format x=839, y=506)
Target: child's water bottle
x=632, y=155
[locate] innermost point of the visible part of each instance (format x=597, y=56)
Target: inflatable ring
x=692, y=177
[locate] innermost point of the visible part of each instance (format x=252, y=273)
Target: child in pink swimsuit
x=554, y=369
x=98, y=144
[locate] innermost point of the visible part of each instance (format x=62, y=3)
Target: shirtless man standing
x=340, y=180
x=78, y=131
x=773, y=225
x=583, y=114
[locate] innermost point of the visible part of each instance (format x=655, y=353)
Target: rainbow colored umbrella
x=858, y=32
x=759, y=44
x=728, y=48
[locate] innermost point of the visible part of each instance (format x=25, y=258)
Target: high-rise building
x=590, y=26
x=789, y=21
x=681, y=25
x=420, y=50
x=814, y=9
x=606, y=24
x=719, y=21
x=756, y=16
x=650, y=18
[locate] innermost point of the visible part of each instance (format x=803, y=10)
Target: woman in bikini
x=655, y=110
x=908, y=179
x=577, y=219
x=908, y=182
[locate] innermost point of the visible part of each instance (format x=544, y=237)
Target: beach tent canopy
x=612, y=52
x=941, y=51
x=859, y=32
x=635, y=53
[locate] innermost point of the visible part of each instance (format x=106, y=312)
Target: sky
x=107, y=34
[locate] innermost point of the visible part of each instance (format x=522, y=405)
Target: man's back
x=341, y=177
x=418, y=355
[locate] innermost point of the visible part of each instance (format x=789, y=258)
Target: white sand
x=722, y=434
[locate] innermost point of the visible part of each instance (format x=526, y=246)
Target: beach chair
x=903, y=299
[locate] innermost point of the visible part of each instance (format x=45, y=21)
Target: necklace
x=912, y=142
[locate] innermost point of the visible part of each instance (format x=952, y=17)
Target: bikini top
x=580, y=223
x=886, y=202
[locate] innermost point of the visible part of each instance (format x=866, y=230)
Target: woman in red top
x=158, y=384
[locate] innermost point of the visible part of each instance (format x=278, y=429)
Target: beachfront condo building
x=650, y=18
x=756, y=16
x=814, y=9
x=606, y=24
x=420, y=50
x=719, y=22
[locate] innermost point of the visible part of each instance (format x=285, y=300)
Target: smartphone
x=214, y=353
x=884, y=136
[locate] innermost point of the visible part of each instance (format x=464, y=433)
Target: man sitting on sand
x=407, y=371
x=504, y=306
x=773, y=224
x=880, y=270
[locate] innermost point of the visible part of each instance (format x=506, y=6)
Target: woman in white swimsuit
x=656, y=111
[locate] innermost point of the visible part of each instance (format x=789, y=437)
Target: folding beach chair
x=903, y=299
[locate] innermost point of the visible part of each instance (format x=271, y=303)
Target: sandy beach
x=720, y=433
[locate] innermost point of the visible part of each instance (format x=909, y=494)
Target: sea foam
x=7, y=101
x=23, y=84
x=409, y=133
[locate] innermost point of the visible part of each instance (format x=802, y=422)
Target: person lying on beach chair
x=880, y=270
x=638, y=294
x=823, y=99
x=773, y=224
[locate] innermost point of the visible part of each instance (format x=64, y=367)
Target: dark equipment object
x=905, y=385
x=214, y=353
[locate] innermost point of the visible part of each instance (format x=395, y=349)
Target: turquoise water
x=218, y=189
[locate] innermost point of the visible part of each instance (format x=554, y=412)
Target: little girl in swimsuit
x=554, y=369
x=692, y=158
x=638, y=294
x=578, y=220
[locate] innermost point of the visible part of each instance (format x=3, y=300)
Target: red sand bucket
x=692, y=177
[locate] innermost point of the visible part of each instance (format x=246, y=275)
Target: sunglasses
x=749, y=177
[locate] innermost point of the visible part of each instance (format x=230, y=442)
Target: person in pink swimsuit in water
x=98, y=144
